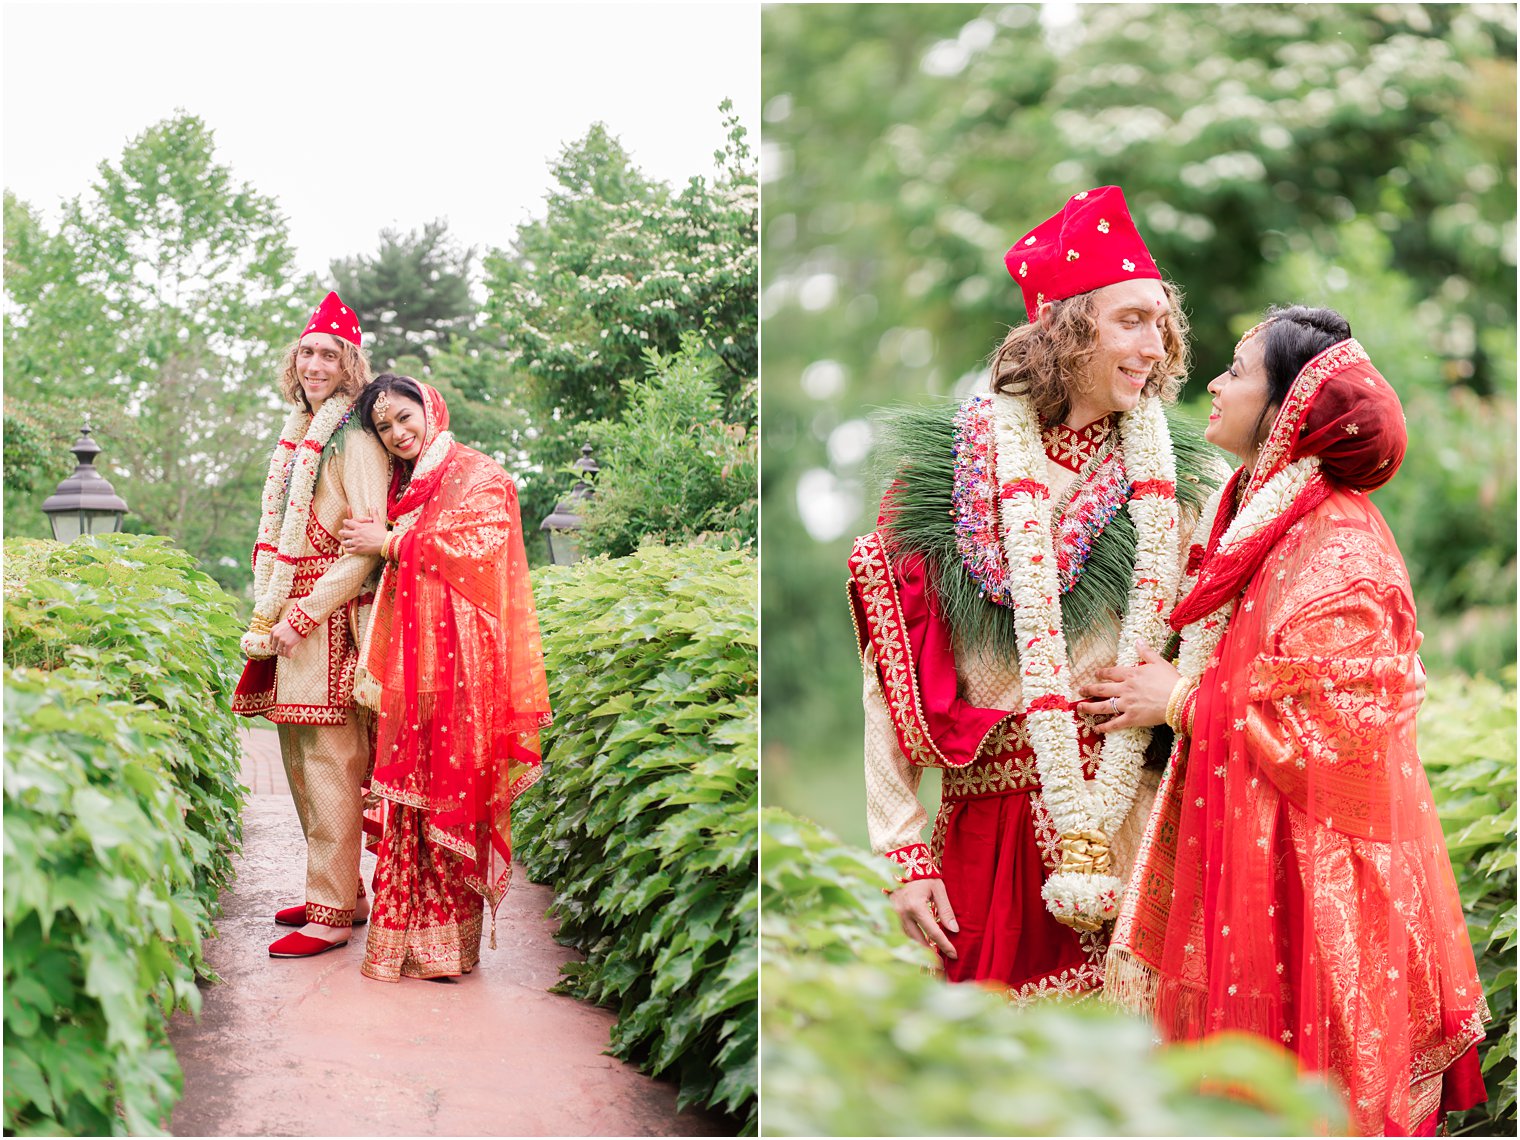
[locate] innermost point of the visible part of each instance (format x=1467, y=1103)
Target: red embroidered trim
x=329, y=915
x=252, y=704
x=308, y=575
x=298, y=559
x=872, y=576
x=323, y=541
x=299, y=621
x=1006, y=764
x=1074, y=449
x=318, y=715
x=916, y=862
x=342, y=659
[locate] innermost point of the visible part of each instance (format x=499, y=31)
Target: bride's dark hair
x=385, y=382
x=1295, y=335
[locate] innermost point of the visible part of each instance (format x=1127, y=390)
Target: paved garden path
x=311, y=1047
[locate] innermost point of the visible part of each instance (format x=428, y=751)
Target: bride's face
x=1236, y=420
x=401, y=426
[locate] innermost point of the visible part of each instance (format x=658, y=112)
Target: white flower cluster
x=1046, y=670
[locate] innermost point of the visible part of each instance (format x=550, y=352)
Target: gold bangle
x=1174, y=705
x=388, y=548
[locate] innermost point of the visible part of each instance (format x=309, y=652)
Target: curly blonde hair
x=1048, y=360
x=355, y=365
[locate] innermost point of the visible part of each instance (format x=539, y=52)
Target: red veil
x=456, y=650
x=1294, y=880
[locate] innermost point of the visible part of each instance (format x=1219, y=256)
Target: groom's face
x=1131, y=318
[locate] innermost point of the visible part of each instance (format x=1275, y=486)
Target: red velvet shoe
x=296, y=916
x=300, y=945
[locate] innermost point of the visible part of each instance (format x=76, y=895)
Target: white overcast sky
x=359, y=116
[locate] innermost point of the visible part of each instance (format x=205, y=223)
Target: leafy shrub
x=671, y=469
x=136, y=613
x=644, y=822
x=861, y=1041
x=1467, y=742
x=121, y=814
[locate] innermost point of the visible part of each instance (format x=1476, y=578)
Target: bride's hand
x=362, y=535
x=1414, y=691
x=1131, y=696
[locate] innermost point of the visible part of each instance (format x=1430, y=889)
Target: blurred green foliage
x=861, y=1039
x=855, y=1044
x=1467, y=742
x=644, y=820
x=122, y=807
x=1357, y=156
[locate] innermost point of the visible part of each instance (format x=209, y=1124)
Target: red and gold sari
x=455, y=651
x=1293, y=881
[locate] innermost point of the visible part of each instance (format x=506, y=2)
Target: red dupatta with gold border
x=1294, y=881
x=457, y=652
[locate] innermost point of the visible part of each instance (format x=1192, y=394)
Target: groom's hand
x=1131, y=696
x=284, y=639
x=922, y=907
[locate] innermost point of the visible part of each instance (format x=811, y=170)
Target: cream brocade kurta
x=895, y=815
x=332, y=591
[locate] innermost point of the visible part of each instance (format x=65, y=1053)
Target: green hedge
x=856, y=1041
x=121, y=816
x=861, y=1039
x=1467, y=742
x=644, y=822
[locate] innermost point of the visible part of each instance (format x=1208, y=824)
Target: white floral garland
x=294, y=463
x=1078, y=809
x=367, y=690
x=1202, y=637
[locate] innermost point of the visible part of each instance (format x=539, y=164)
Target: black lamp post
x=84, y=503
x=564, y=525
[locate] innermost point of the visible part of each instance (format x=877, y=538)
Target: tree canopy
x=158, y=309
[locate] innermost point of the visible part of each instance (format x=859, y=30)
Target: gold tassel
x=1129, y=983
x=493, y=930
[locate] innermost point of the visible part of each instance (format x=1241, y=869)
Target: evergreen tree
x=411, y=295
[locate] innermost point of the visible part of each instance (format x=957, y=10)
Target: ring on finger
x=1113, y=704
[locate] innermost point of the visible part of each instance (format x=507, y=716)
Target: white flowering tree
x=620, y=264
